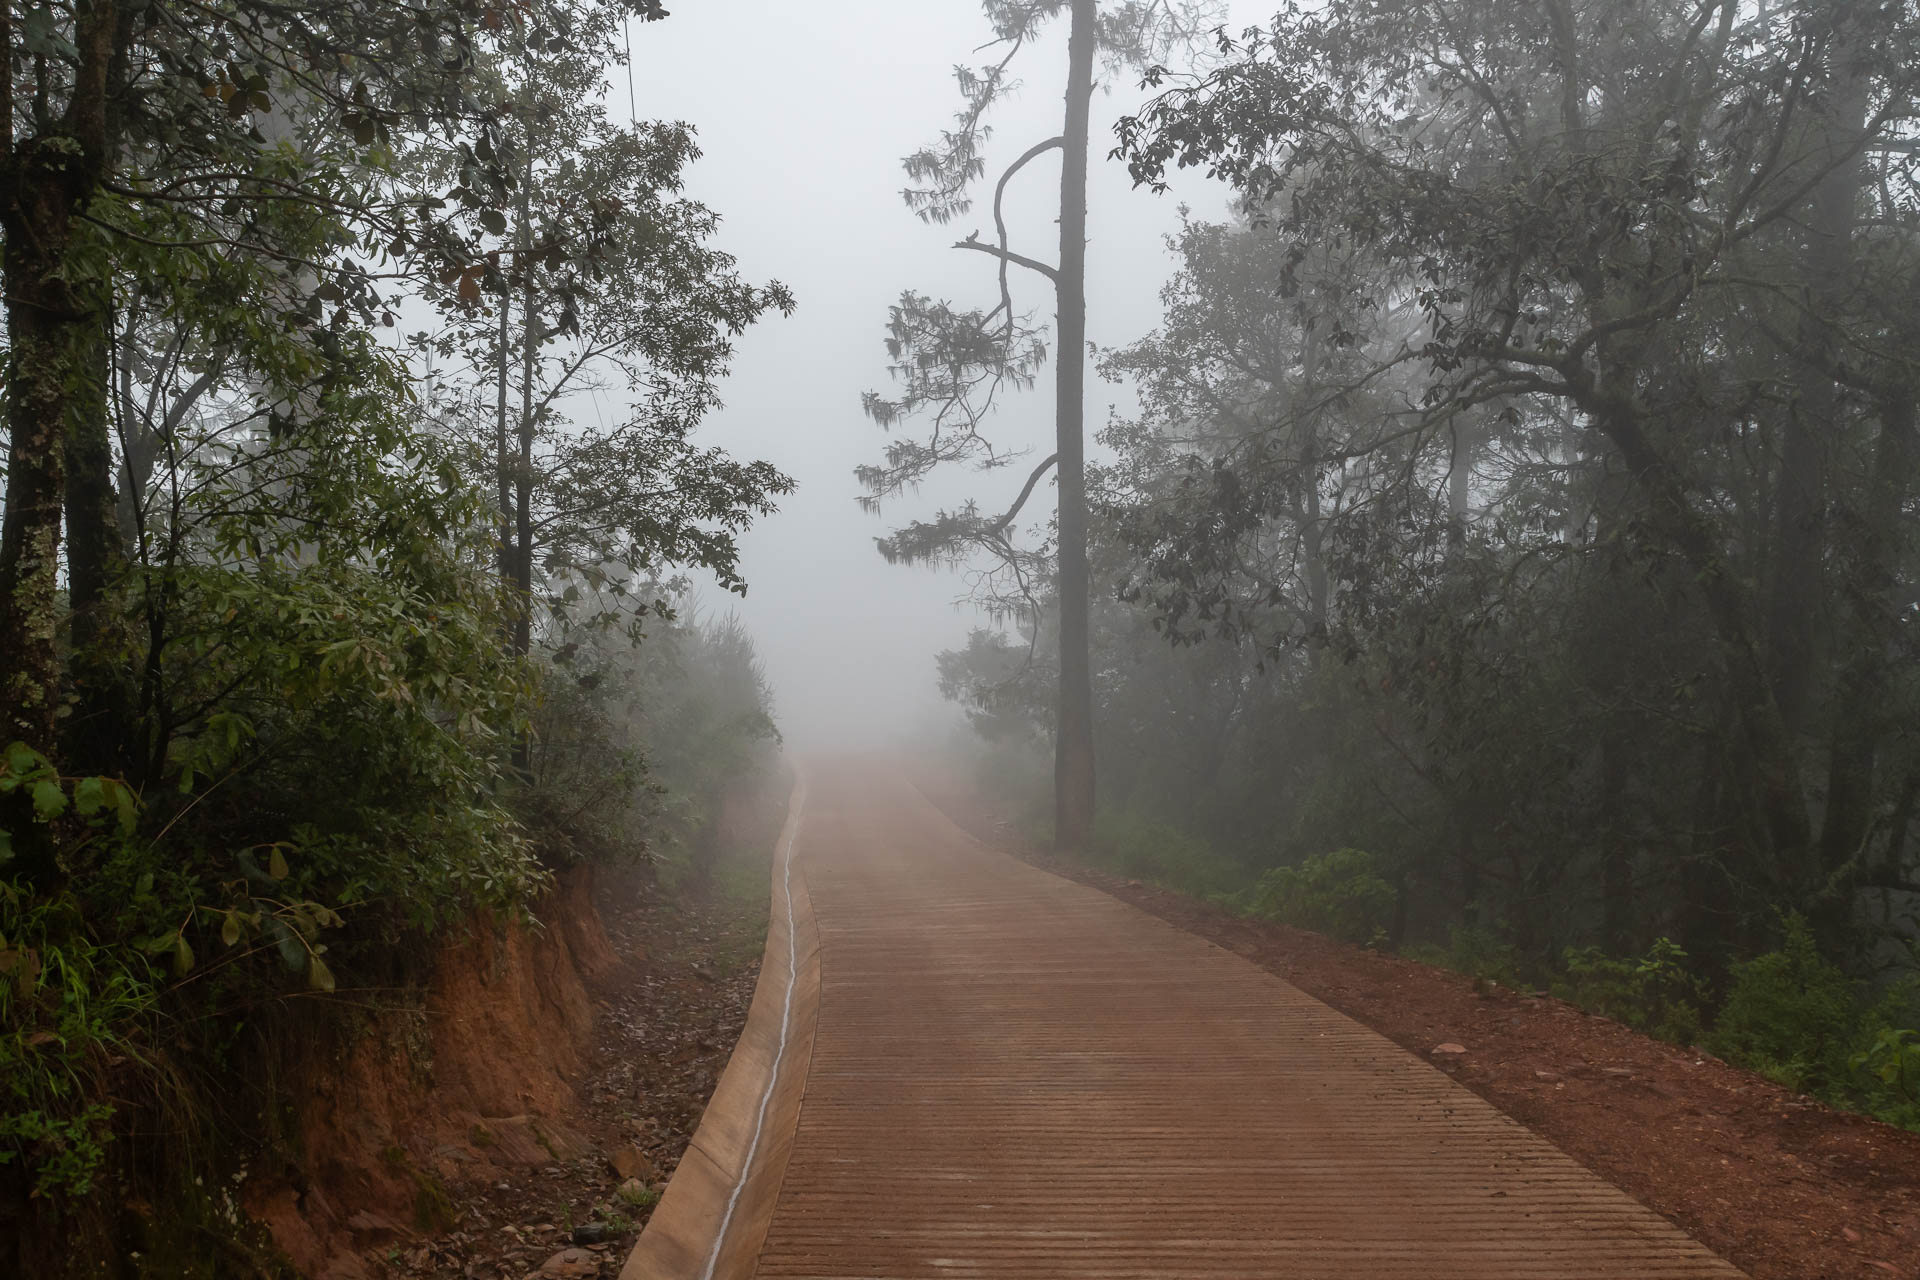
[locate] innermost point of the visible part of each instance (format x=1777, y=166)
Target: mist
x=803, y=135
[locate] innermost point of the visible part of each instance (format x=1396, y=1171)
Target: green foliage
x=1341, y=894
x=1476, y=951
x=638, y=1197
x=1893, y=1058
x=1165, y=854
x=1657, y=993
x=1790, y=1014
x=70, y=1011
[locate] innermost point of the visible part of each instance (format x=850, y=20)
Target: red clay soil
x=490, y=1137
x=666, y=1015
x=1783, y=1186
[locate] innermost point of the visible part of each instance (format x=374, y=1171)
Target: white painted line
x=780, y=1051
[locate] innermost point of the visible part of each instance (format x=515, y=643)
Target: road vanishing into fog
x=960, y=1066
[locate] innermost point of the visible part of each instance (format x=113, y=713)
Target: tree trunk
x=99, y=658
x=1460, y=481
x=1616, y=853
x=502, y=458
x=1073, y=745
x=50, y=341
x=1312, y=535
x=523, y=475
x=1812, y=421
x=1788, y=832
x=522, y=580
x=51, y=333
x=1859, y=719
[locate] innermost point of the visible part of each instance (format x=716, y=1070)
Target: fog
x=804, y=113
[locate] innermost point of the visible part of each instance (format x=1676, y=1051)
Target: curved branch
x=1027, y=157
x=1000, y=525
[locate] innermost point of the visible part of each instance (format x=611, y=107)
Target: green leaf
x=276, y=863
x=182, y=955
x=319, y=977
x=23, y=759
x=49, y=801
x=230, y=928
x=494, y=221
x=6, y=846
x=90, y=796
x=124, y=807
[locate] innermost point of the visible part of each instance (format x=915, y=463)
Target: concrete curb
x=711, y=1221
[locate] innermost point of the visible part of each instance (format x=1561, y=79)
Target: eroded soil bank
x=527, y=1115
x=1783, y=1186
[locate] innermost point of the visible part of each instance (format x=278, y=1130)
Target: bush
x=1151, y=850
x=1474, y=950
x=1654, y=993
x=69, y=1009
x=1341, y=894
x=1790, y=1015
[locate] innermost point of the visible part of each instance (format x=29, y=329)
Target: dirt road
x=988, y=1071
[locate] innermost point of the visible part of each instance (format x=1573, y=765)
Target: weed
x=1790, y=1014
x=1341, y=894
x=638, y=1196
x=433, y=1210
x=1473, y=950
x=1154, y=851
x=69, y=1010
x=1654, y=993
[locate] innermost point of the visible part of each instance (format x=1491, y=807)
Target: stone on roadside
x=571, y=1264
x=630, y=1163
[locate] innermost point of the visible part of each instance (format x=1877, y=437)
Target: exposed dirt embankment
x=481, y=1075
x=524, y=1111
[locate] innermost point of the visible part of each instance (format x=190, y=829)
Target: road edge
x=714, y=1214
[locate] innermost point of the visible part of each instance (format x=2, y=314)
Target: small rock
x=592, y=1233
x=1853, y=1237
x=1616, y=1071
x=1548, y=1076
x=575, y=1263
x=1449, y=1049
x=632, y=1162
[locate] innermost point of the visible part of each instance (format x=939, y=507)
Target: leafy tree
x=951, y=364
x=603, y=279
x=141, y=127
x=259, y=685
x=1619, y=228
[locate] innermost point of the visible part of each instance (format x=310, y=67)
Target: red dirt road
x=1013, y=1075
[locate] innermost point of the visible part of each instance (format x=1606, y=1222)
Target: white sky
x=804, y=111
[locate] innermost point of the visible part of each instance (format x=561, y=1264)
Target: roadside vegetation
x=334, y=621
x=1511, y=559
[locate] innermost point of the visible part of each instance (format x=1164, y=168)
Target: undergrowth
x=1787, y=1013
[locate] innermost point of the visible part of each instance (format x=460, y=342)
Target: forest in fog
x=1499, y=547
x=1511, y=554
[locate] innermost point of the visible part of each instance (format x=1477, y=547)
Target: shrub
x=1790, y=1015
x=68, y=1010
x=1151, y=850
x=1474, y=950
x=1341, y=894
x=1654, y=993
